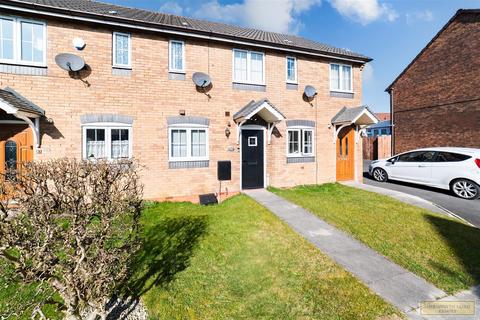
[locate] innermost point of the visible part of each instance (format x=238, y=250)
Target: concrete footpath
x=393, y=283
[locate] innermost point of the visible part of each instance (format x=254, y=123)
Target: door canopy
x=14, y=104
x=264, y=109
x=359, y=117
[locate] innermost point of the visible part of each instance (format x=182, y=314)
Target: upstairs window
x=176, y=56
x=22, y=41
x=300, y=142
x=291, y=70
x=248, y=67
x=122, y=50
x=341, y=77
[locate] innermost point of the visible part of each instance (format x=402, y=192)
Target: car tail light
x=477, y=161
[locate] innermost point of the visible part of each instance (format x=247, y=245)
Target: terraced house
x=135, y=97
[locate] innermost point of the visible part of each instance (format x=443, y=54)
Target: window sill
x=291, y=86
x=249, y=86
x=176, y=75
x=23, y=64
x=177, y=71
x=188, y=164
x=342, y=94
x=116, y=71
x=122, y=67
x=300, y=159
x=22, y=69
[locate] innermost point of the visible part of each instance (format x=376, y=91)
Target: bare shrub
x=74, y=225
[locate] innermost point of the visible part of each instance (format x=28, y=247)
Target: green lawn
x=442, y=250
x=232, y=261
x=238, y=261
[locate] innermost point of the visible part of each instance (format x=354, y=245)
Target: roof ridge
x=134, y=16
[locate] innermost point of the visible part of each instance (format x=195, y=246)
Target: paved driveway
x=467, y=209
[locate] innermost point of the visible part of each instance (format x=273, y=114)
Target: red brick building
x=135, y=98
x=435, y=101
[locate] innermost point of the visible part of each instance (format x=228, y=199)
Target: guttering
x=392, y=126
x=141, y=25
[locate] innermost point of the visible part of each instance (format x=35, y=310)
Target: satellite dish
x=310, y=92
x=201, y=79
x=69, y=62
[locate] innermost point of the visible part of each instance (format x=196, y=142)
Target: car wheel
x=465, y=189
x=380, y=175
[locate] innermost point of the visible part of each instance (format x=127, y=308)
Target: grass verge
x=442, y=250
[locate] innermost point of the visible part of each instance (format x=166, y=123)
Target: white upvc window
x=300, y=142
x=122, y=50
x=176, y=56
x=341, y=77
x=187, y=143
x=109, y=141
x=248, y=67
x=23, y=41
x=291, y=69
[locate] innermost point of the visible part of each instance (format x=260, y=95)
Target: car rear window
x=451, y=157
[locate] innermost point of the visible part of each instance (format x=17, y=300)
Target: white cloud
x=171, y=7
x=283, y=16
x=412, y=17
x=272, y=15
x=364, y=11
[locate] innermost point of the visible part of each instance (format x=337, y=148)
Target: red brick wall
x=436, y=102
x=150, y=97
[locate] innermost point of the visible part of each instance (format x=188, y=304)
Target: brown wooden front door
x=16, y=146
x=346, y=154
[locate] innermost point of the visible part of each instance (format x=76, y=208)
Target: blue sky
x=391, y=32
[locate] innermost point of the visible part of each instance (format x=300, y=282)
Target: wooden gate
x=375, y=148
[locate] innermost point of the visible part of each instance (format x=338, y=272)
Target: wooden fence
x=375, y=148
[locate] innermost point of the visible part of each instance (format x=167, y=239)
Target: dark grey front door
x=252, y=159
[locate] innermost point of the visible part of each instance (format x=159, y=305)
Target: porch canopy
x=21, y=108
x=262, y=108
x=360, y=117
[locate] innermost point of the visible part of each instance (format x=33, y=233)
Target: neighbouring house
x=135, y=98
x=382, y=128
x=435, y=101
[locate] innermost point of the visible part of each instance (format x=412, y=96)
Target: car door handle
x=422, y=166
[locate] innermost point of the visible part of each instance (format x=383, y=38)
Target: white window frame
x=108, y=127
x=341, y=66
x=294, y=81
x=114, y=51
x=188, y=128
x=17, y=42
x=170, y=62
x=301, y=130
x=249, y=69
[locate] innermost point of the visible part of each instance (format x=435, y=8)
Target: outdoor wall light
x=227, y=132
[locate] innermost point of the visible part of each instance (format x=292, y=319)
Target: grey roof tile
x=349, y=114
x=251, y=106
x=133, y=15
x=14, y=99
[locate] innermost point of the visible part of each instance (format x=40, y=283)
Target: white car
x=455, y=169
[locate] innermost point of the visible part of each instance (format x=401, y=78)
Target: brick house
x=135, y=98
x=434, y=101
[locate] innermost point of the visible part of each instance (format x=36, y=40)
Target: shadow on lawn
x=166, y=250
x=464, y=240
